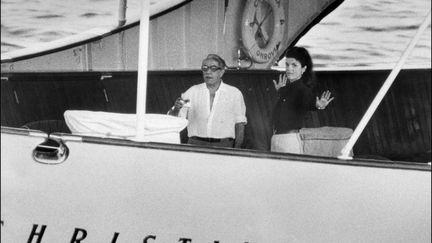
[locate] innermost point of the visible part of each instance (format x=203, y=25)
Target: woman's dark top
x=295, y=100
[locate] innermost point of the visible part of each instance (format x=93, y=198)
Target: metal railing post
x=345, y=153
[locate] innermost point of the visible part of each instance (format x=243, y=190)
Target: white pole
x=345, y=153
x=142, y=68
x=122, y=12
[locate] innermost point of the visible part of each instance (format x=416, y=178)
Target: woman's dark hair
x=217, y=58
x=302, y=55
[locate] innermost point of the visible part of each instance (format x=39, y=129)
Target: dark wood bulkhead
x=399, y=130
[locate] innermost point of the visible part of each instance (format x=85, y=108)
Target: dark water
x=370, y=33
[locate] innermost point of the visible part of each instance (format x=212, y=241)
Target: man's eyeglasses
x=211, y=68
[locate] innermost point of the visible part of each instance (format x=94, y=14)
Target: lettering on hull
x=79, y=235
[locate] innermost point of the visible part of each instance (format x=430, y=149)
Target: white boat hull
x=109, y=192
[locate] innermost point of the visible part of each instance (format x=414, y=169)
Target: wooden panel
x=400, y=129
x=47, y=96
x=166, y=88
x=121, y=92
x=401, y=124
x=11, y=114
x=37, y=97
x=84, y=93
x=260, y=97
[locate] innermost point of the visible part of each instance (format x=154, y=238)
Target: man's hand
x=178, y=104
x=239, y=133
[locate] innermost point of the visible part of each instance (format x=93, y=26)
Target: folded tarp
x=325, y=141
x=158, y=127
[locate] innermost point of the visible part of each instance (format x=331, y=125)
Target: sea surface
x=359, y=33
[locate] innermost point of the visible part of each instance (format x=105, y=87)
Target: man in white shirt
x=216, y=111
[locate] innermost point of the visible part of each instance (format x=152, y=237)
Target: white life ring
x=262, y=51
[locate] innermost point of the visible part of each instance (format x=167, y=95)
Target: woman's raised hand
x=325, y=99
x=282, y=81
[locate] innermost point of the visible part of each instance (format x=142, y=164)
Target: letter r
x=75, y=238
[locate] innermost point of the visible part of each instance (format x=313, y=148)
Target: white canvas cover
x=158, y=127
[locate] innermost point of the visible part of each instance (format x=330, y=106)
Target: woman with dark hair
x=296, y=98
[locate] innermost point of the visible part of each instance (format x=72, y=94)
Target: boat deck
x=400, y=129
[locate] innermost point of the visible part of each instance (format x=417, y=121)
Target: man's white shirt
x=219, y=122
